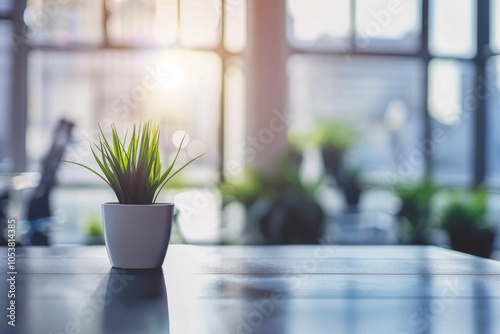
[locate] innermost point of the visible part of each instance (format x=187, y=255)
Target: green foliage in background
x=416, y=198
x=133, y=168
x=465, y=210
x=93, y=227
x=418, y=194
x=268, y=185
x=245, y=190
x=338, y=134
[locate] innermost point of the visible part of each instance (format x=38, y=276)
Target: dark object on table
x=38, y=212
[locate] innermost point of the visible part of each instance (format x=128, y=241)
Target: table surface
x=250, y=289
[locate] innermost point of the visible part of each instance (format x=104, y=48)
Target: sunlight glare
x=175, y=76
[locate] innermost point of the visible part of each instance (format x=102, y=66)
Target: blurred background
x=332, y=121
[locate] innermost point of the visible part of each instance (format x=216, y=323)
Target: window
x=143, y=22
x=382, y=96
x=495, y=25
x=200, y=23
x=370, y=66
x=64, y=22
x=90, y=61
x=493, y=91
x=453, y=35
x=181, y=89
x=455, y=87
x=381, y=93
x=490, y=87
x=157, y=59
x=388, y=25
x=451, y=106
x=319, y=24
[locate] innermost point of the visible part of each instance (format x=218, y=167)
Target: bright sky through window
x=452, y=31
x=445, y=97
x=393, y=19
x=495, y=25
x=313, y=19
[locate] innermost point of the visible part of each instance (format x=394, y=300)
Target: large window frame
x=22, y=46
x=483, y=53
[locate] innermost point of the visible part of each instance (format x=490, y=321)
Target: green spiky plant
x=133, y=168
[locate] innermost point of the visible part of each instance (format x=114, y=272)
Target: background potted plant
x=292, y=215
x=464, y=218
x=414, y=214
x=281, y=208
x=334, y=138
x=136, y=228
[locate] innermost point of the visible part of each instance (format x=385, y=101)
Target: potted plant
x=292, y=215
x=136, y=228
x=414, y=214
x=280, y=208
x=464, y=218
x=334, y=138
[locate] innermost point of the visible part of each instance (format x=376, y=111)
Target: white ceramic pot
x=137, y=236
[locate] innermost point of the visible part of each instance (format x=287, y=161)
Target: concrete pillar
x=266, y=56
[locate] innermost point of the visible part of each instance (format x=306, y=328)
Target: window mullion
x=426, y=57
x=18, y=111
x=480, y=128
x=223, y=56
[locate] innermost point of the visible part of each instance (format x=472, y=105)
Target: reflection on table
x=249, y=289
